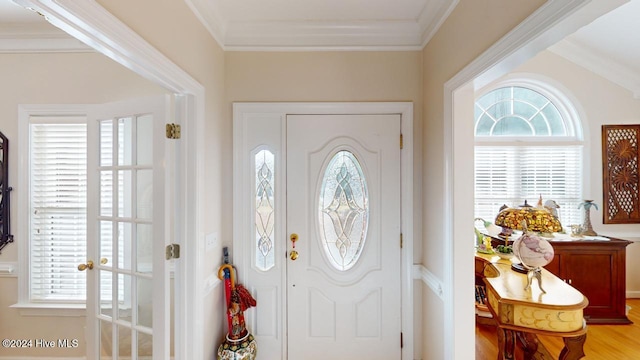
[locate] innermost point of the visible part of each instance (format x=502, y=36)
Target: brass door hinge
x=172, y=251
x=401, y=142
x=401, y=241
x=173, y=131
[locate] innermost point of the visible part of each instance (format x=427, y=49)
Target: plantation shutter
x=58, y=208
x=510, y=174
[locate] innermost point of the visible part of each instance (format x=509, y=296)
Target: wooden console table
x=522, y=315
x=597, y=268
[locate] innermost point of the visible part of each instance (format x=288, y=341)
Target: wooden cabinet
x=598, y=270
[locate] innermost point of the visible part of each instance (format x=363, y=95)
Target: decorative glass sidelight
x=343, y=210
x=264, y=220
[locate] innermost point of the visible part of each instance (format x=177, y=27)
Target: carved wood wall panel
x=620, y=179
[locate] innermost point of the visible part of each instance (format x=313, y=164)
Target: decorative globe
x=533, y=251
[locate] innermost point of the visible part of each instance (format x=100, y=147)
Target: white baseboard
x=633, y=294
x=433, y=282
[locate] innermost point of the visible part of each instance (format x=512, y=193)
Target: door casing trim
x=405, y=110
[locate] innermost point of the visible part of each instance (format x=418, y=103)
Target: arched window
x=528, y=143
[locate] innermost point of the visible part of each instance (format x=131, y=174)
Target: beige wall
x=599, y=102
x=50, y=79
x=323, y=76
x=472, y=27
x=172, y=28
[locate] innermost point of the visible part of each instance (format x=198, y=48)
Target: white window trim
x=24, y=304
x=568, y=106
x=560, y=96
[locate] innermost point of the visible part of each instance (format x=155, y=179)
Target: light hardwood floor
x=604, y=342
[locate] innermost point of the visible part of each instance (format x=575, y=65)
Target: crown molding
x=37, y=38
x=433, y=16
x=263, y=36
x=406, y=35
x=209, y=18
x=592, y=60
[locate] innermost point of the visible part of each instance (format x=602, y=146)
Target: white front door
x=332, y=182
x=128, y=283
x=343, y=211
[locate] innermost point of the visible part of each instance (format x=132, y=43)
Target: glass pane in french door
x=125, y=238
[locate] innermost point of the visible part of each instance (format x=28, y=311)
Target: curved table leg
x=529, y=344
x=506, y=344
x=573, y=348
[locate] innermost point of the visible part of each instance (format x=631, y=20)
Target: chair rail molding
x=8, y=269
x=420, y=272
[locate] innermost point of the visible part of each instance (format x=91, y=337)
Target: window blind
x=58, y=209
x=510, y=174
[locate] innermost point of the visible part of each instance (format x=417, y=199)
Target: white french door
x=128, y=295
x=332, y=184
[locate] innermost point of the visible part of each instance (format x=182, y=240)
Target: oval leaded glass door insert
x=343, y=210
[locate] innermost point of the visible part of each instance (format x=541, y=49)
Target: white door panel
x=128, y=288
x=341, y=309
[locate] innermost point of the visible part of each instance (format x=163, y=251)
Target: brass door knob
x=88, y=265
x=293, y=254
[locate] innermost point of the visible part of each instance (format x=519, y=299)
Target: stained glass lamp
x=535, y=219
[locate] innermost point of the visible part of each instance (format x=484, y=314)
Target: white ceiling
x=319, y=10
x=610, y=46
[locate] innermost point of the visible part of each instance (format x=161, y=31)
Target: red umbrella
x=238, y=300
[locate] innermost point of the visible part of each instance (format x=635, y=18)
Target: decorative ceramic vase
x=241, y=349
